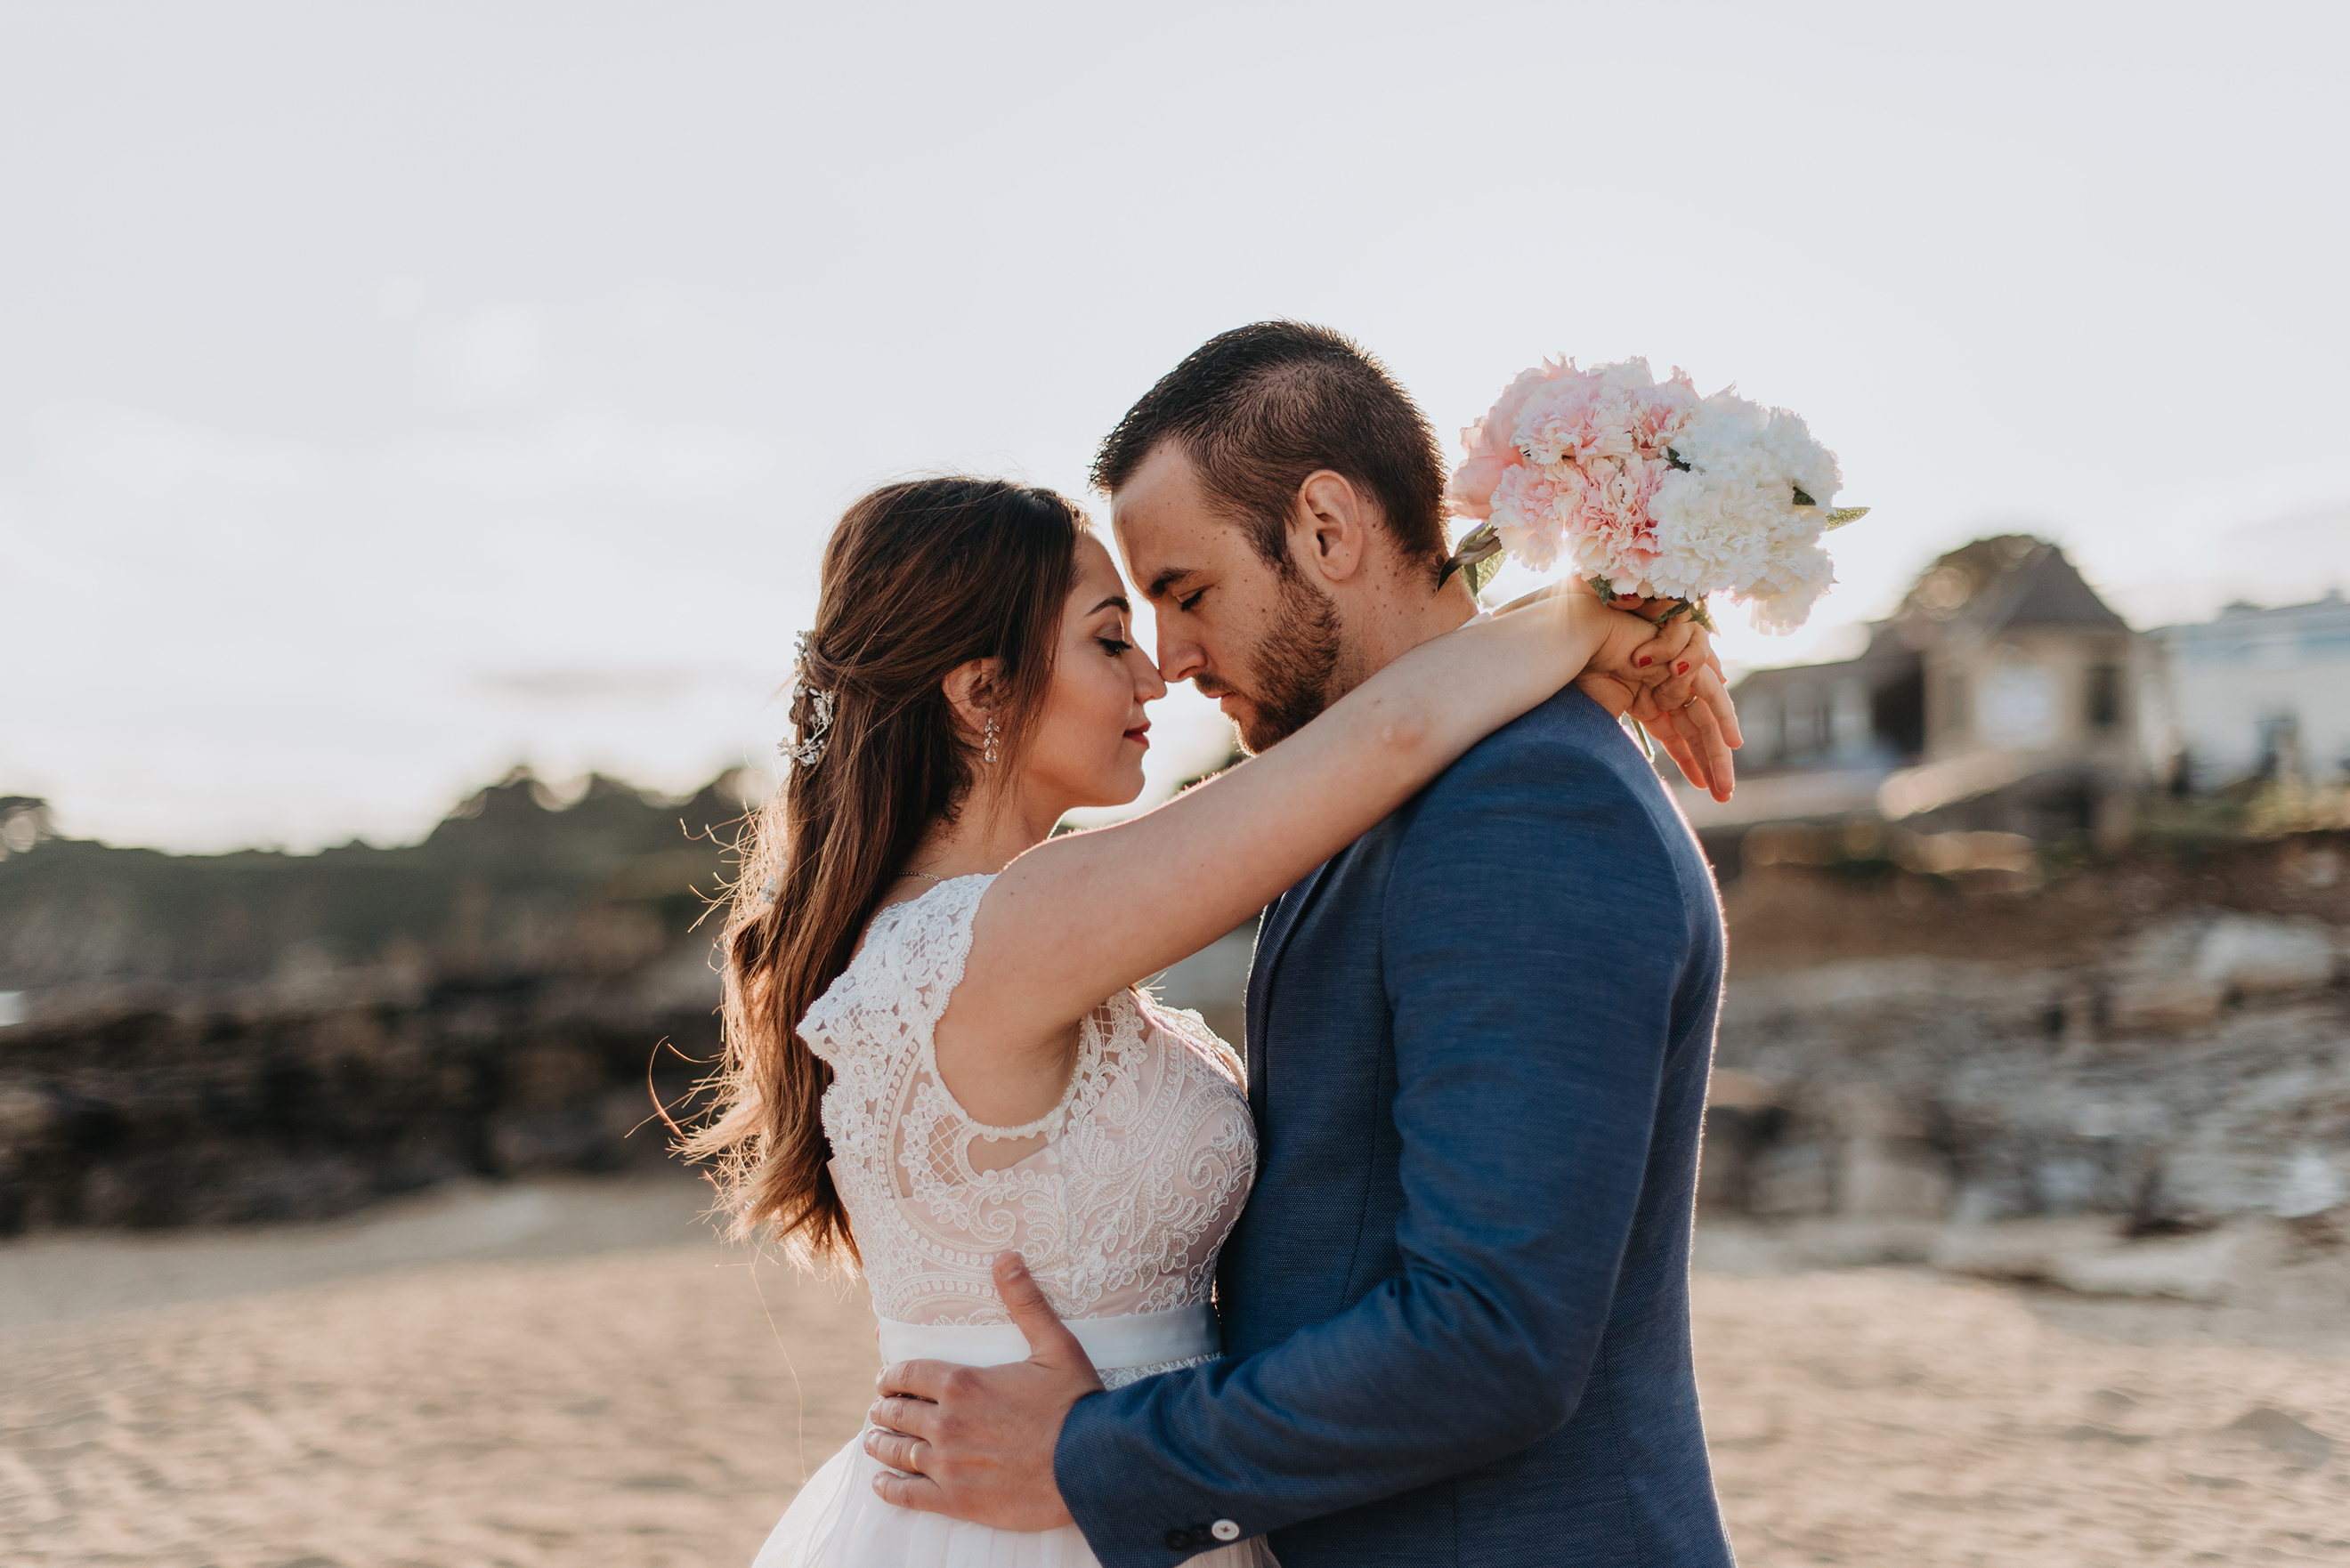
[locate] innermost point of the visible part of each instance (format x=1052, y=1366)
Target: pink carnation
x=1610, y=528
x=1491, y=443
x=1613, y=411
x=1528, y=509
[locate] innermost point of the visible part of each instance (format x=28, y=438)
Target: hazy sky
x=390, y=393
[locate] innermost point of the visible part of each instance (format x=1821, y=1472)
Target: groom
x=1455, y=1312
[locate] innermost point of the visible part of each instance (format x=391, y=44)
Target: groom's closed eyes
x=1168, y=581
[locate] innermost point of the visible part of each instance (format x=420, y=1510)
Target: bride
x=936, y=1049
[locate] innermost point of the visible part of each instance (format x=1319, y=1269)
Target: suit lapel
x=1280, y=924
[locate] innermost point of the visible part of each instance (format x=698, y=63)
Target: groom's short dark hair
x=1259, y=407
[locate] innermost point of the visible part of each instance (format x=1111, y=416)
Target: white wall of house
x=2261, y=690
x=2042, y=690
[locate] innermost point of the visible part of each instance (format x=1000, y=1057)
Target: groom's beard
x=1292, y=666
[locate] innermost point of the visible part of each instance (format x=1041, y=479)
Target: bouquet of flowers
x=1650, y=489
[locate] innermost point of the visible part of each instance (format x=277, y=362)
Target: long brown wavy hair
x=919, y=579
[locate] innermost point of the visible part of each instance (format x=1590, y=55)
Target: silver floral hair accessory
x=808, y=750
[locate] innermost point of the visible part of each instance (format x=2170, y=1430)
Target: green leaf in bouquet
x=1693, y=608
x=1480, y=574
x=1803, y=498
x=1844, y=515
x=1478, y=558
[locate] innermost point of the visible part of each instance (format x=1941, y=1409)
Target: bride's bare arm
x=1078, y=917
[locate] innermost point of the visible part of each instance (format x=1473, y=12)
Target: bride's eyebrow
x=1116, y=601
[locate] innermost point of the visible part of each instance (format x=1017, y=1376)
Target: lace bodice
x=1119, y=1197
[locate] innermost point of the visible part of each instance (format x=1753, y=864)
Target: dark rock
x=2088, y=1434
x=2280, y=1433
x=257, y=1036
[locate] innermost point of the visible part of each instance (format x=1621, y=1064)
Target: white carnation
x=1730, y=520
x=1784, y=598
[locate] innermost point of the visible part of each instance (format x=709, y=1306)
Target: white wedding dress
x=1119, y=1198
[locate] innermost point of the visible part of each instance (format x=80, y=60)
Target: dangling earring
x=988, y=750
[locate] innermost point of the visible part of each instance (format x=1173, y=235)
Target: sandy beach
x=577, y=1375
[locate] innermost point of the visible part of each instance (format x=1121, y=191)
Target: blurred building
x=2001, y=696
x=2258, y=693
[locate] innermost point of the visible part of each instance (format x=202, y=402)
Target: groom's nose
x=1181, y=657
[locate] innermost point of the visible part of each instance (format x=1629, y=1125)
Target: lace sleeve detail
x=1186, y=1024
x=894, y=989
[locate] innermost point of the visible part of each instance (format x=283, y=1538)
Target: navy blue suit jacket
x=1456, y=1310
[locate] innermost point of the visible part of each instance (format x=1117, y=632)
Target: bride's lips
x=1141, y=734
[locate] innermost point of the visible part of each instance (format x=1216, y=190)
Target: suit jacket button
x=1224, y=1530
x=1177, y=1540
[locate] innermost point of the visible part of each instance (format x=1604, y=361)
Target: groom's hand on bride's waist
x=976, y=1442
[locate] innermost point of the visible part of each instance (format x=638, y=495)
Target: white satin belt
x=1137, y=1339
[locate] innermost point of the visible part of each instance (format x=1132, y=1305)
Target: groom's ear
x=1330, y=529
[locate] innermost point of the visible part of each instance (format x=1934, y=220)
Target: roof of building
x=1884, y=660
x=1976, y=590
x=2008, y=580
